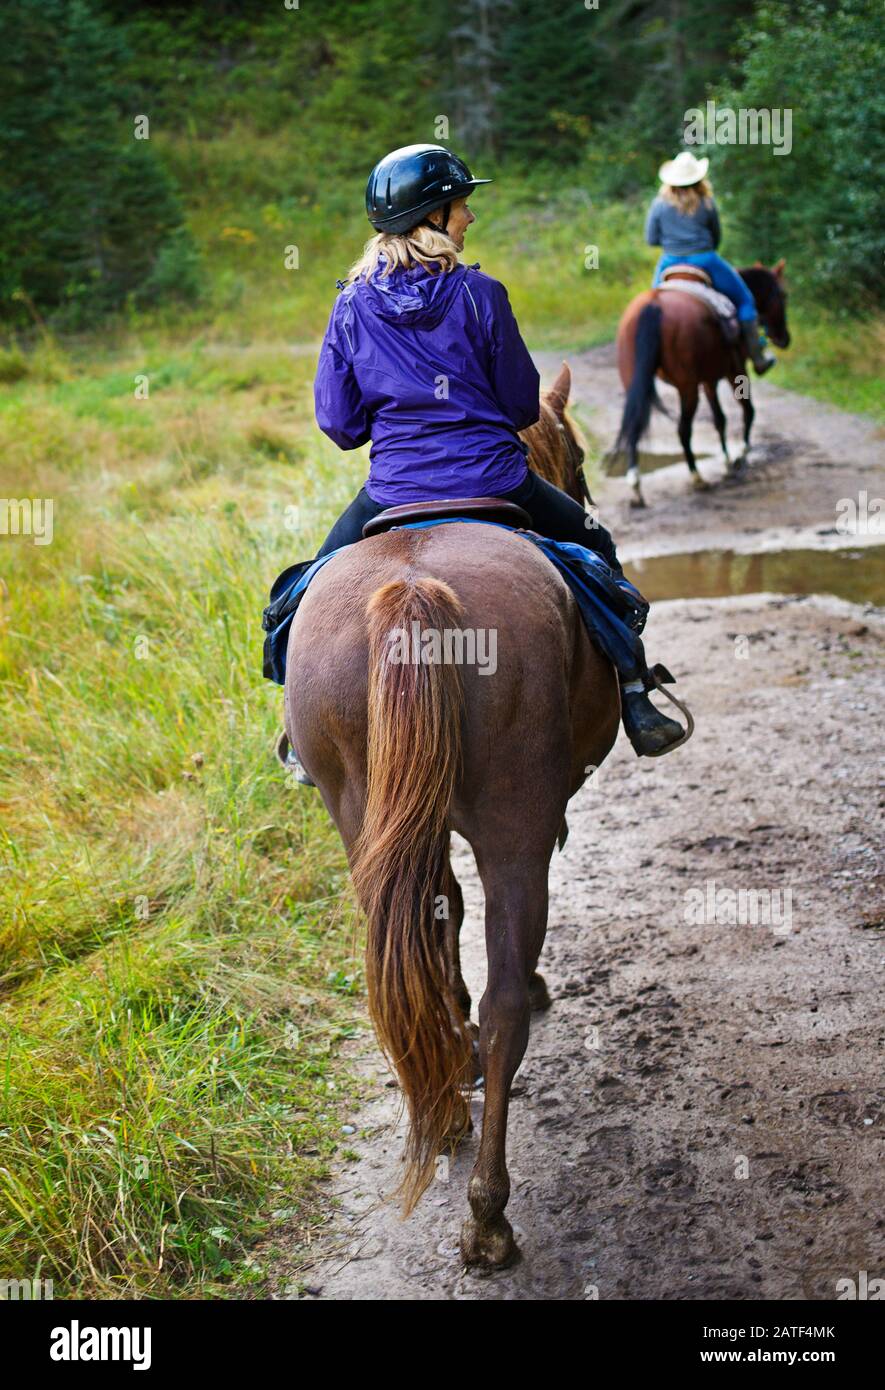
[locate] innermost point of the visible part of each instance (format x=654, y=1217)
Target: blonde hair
x=689, y=199
x=419, y=246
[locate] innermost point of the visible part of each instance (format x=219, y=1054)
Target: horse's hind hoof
x=488, y=1247
x=539, y=998
x=699, y=484
x=637, y=500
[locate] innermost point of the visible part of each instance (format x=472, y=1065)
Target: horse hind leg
x=634, y=481
x=688, y=402
x=516, y=919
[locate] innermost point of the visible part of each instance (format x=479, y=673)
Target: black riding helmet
x=416, y=179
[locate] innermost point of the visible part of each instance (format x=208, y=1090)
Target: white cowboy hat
x=683, y=170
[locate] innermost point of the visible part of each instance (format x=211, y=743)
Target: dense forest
x=102, y=108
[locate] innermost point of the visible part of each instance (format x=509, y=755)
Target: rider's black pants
x=553, y=514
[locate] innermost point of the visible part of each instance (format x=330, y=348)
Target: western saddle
x=481, y=508
x=687, y=272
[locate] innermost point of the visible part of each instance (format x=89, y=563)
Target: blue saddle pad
x=613, y=610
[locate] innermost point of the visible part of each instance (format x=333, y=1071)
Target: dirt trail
x=701, y=1112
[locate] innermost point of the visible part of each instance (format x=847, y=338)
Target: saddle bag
x=285, y=596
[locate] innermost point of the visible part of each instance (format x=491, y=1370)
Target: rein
x=575, y=460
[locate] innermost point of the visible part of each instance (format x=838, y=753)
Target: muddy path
x=701, y=1112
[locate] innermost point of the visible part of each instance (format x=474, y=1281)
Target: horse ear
x=561, y=389
x=778, y=269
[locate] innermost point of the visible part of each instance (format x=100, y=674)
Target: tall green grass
x=177, y=946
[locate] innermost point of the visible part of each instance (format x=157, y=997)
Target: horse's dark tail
x=642, y=394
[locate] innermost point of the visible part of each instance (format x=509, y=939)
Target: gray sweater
x=678, y=235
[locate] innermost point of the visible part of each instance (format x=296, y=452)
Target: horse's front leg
x=453, y=907
x=740, y=388
x=749, y=415
x=516, y=920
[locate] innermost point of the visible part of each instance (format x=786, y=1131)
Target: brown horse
x=407, y=745
x=678, y=338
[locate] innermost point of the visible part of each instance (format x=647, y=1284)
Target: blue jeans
x=725, y=279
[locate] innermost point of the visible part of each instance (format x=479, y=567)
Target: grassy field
x=178, y=950
x=176, y=945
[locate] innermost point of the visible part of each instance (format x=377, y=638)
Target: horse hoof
x=699, y=484
x=489, y=1246
x=460, y=1130
x=539, y=998
x=637, y=500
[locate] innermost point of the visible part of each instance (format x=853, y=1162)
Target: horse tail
x=400, y=863
x=642, y=394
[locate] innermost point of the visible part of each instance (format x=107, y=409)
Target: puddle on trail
x=855, y=575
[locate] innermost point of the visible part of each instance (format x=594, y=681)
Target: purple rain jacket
x=433, y=370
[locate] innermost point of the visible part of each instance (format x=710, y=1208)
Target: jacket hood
x=413, y=298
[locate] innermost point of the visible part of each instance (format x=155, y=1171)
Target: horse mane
x=760, y=280
x=544, y=438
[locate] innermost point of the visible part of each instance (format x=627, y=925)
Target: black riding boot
x=651, y=733
x=762, y=359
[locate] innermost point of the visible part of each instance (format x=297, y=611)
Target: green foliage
x=178, y=272
x=87, y=208
x=176, y=940
x=554, y=81
x=270, y=119
x=822, y=205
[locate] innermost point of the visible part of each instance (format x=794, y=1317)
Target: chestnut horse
x=407, y=747
x=678, y=338
x=555, y=448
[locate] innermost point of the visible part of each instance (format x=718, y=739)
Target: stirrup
x=285, y=754
x=659, y=677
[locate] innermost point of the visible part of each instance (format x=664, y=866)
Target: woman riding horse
x=423, y=356
x=684, y=222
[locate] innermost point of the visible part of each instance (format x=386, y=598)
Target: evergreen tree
x=87, y=207
x=822, y=204
x=553, y=88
